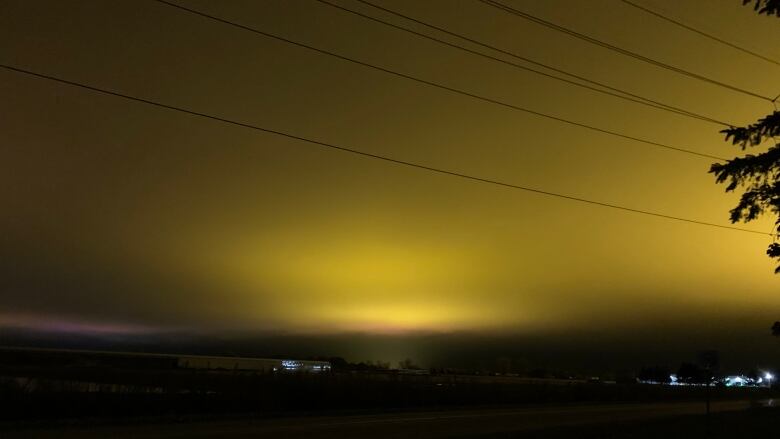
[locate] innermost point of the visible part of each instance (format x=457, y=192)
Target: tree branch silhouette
x=757, y=174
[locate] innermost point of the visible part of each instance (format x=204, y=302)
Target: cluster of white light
x=741, y=380
x=737, y=381
x=296, y=365
x=290, y=364
x=729, y=381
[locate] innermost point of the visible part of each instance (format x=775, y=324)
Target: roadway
x=461, y=423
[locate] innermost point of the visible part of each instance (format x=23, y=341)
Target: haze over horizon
x=124, y=220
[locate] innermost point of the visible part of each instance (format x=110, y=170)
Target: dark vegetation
x=768, y=7
x=44, y=392
x=758, y=174
x=656, y=374
x=154, y=394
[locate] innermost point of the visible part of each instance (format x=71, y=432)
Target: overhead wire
x=526, y=16
x=335, y=147
x=438, y=85
x=611, y=91
x=700, y=32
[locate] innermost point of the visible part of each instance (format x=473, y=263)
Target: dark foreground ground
x=753, y=423
x=731, y=419
x=77, y=394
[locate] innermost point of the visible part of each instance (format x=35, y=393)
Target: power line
x=700, y=32
x=440, y=86
x=331, y=146
x=537, y=20
x=638, y=99
x=623, y=94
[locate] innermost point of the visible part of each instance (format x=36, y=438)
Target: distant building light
x=738, y=381
x=290, y=364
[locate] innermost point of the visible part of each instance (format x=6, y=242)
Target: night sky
x=120, y=218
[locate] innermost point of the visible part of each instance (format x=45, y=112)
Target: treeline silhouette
x=112, y=393
x=50, y=385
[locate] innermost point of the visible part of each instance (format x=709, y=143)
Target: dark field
x=729, y=419
x=752, y=423
x=82, y=394
x=63, y=393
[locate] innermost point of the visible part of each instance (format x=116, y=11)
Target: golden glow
x=117, y=212
x=397, y=316
x=355, y=282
